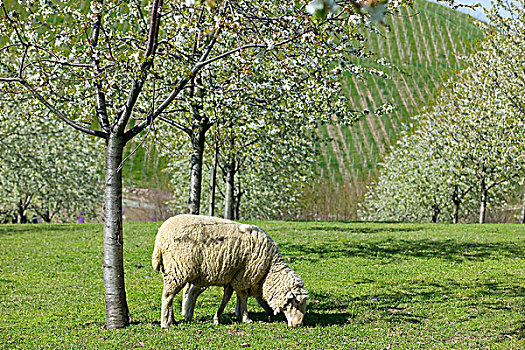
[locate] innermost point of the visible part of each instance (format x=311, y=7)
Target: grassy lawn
x=372, y=286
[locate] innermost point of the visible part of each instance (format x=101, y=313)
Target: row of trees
x=110, y=69
x=469, y=150
x=263, y=165
x=46, y=171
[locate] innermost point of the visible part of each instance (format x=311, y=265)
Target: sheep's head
x=295, y=308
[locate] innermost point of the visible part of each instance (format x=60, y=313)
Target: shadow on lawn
x=395, y=248
x=363, y=230
x=18, y=229
x=312, y=318
x=518, y=332
x=326, y=310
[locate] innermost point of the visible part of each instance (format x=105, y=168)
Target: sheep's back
x=212, y=251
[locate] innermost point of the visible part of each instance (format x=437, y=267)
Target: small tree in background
x=47, y=171
x=413, y=185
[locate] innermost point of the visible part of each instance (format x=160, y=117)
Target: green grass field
x=372, y=286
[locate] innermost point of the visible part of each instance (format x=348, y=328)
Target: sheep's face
x=295, y=309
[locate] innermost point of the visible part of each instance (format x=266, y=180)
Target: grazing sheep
x=207, y=251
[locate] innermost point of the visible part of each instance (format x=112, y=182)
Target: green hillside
x=422, y=45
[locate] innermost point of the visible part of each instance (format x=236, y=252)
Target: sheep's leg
x=191, y=300
x=242, y=297
x=228, y=291
x=185, y=293
x=166, y=313
x=238, y=307
x=188, y=288
x=262, y=303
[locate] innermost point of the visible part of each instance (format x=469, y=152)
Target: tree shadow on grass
x=364, y=230
x=391, y=248
x=19, y=229
x=326, y=309
x=312, y=318
x=518, y=332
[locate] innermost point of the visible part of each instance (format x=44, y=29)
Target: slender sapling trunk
x=522, y=212
x=213, y=181
x=229, y=197
x=198, y=138
x=457, y=202
x=483, y=201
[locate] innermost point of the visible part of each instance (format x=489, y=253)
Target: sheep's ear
x=302, y=298
x=245, y=228
x=290, y=295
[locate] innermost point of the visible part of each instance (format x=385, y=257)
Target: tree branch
x=59, y=114
x=137, y=84
x=9, y=80
x=203, y=61
x=151, y=117
x=102, y=112
x=177, y=125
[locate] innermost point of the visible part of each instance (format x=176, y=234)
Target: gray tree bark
x=200, y=125
x=483, y=201
x=198, y=138
x=117, y=312
x=522, y=213
x=21, y=208
x=213, y=181
x=457, y=202
x=435, y=213
x=237, y=203
x=229, y=197
x=20, y=213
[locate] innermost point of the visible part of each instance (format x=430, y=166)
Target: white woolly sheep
x=207, y=251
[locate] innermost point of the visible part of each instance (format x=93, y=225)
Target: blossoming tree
x=111, y=68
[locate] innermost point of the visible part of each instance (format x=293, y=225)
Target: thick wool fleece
x=208, y=251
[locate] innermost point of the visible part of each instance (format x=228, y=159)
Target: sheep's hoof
x=246, y=319
x=165, y=326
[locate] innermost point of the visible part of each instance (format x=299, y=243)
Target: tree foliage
x=276, y=91
x=472, y=138
x=47, y=172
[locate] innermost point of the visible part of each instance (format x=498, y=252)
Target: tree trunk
x=435, y=214
x=522, y=213
x=483, y=201
x=213, y=181
x=117, y=312
x=46, y=216
x=457, y=203
x=238, y=202
x=20, y=217
x=198, y=139
x=229, y=198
